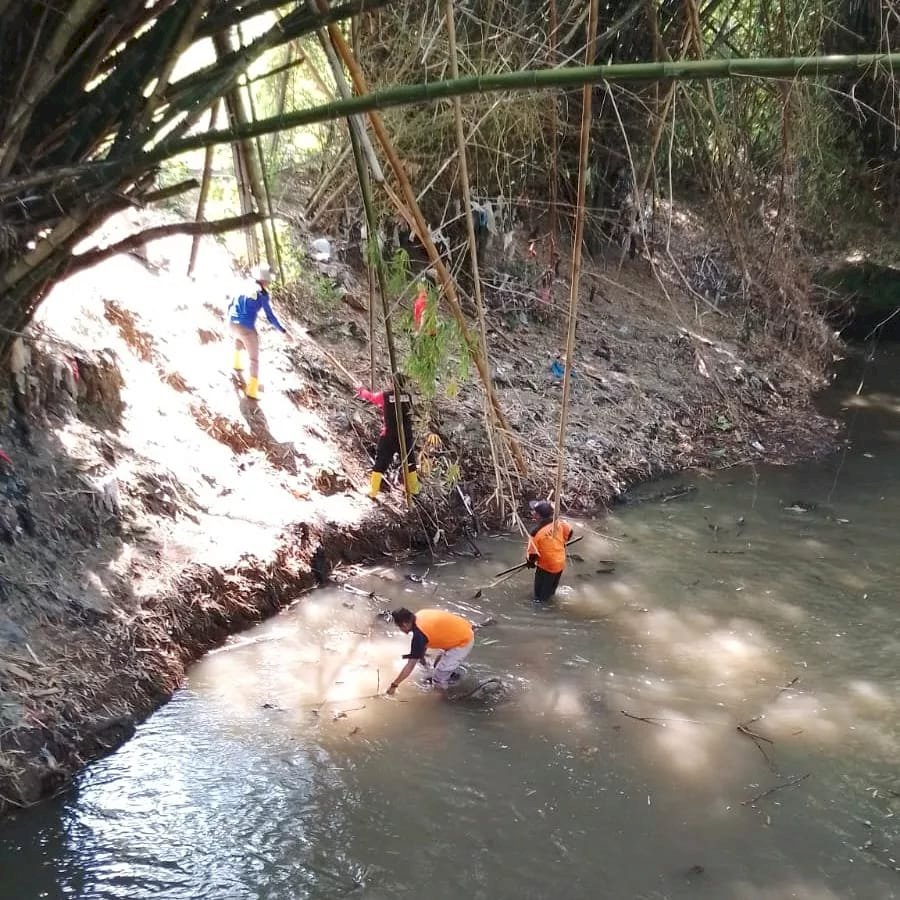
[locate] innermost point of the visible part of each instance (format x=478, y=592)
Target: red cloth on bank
x=419, y=309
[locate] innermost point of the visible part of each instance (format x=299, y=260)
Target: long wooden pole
x=355, y=123
x=541, y=79
x=424, y=235
x=450, y=25
x=245, y=152
x=575, y=275
x=374, y=253
x=205, y=182
x=554, y=142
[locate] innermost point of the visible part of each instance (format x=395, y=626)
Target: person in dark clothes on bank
x=389, y=440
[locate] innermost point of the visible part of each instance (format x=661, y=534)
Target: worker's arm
x=416, y=655
x=267, y=309
x=377, y=399
x=405, y=672
x=531, y=553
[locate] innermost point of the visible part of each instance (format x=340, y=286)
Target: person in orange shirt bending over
x=433, y=629
x=546, y=552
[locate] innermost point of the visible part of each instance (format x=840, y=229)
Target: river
x=766, y=598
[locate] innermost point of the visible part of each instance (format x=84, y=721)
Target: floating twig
x=788, y=686
x=743, y=729
x=785, y=784
x=650, y=720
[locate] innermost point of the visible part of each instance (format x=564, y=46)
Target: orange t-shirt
x=550, y=546
x=444, y=630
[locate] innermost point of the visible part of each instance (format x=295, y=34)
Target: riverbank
x=150, y=509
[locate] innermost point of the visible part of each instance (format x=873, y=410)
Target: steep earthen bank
x=151, y=510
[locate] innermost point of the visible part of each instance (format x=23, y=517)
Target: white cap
x=261, y=273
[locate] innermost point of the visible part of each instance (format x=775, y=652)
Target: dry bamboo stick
x=470, y=237
x=41, y=80
x=343, y=89
x=329, y=176
x=327, y=201
x=251, y=175
x=575, y=276
x=412, y=209
x=205, y=182
x=177, y=50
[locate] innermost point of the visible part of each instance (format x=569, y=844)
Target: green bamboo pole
x=542, y=79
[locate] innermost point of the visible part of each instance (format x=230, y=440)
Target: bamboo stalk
x=284, y=80
x=424, y=235
x=179, y=46
x=542, y=79
x=575, y=276
x=42, y=78
x=370, y=277
x=554, y=140
x=343, y=89
x=246, y=150
x=268, y=224
x=365, y=187
x=450, y=25
x=205, y=181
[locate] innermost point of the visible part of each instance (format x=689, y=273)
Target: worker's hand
x=391, y=690
x=531, y=562
x=359, y=392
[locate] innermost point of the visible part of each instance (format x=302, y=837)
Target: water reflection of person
x=546, y=551
x=437, y=630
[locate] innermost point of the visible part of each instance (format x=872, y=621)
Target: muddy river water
x=766, y=596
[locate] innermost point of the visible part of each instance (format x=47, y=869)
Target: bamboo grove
x=87, y=89
x=93, y=101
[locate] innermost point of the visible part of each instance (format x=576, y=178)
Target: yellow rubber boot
x=238, y=364
x=374, y=485
x=253, y=388
x=412, y=483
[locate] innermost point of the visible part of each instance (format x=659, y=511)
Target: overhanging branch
x=220, y=226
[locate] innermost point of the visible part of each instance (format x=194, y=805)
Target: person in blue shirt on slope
x=242, y=313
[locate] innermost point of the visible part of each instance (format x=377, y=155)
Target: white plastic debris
x=320, y=250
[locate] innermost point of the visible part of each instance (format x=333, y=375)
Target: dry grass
x=140, y=341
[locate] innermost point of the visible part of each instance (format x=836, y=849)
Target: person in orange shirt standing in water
x=546, y=551
x=433, y=629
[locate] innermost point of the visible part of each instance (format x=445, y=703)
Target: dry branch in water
x=778, y=787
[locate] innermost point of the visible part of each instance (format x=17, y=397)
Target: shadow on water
x=765, y=599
